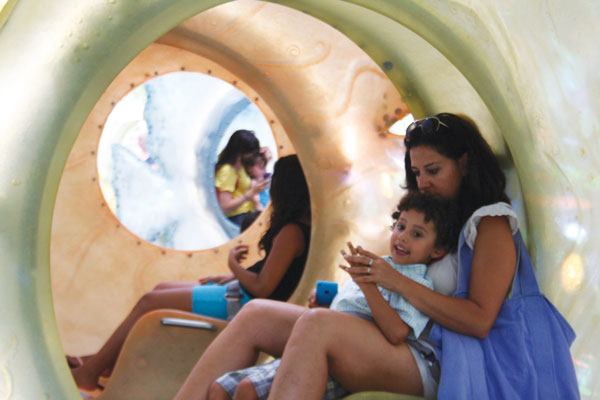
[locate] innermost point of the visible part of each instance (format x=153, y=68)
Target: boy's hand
x=366, y=267
x=312, y=299
x=356, y=268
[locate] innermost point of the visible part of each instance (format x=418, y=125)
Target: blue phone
x=326, y=291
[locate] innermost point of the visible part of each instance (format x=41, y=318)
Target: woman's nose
x=422, y=183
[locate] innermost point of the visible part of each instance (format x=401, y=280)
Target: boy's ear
x=437, y=253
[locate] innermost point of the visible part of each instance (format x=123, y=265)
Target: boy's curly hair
x=443, y=213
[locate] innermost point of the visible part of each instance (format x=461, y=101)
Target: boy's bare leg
x=216, y=392
x=245, y=391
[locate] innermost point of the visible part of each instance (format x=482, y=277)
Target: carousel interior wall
x=330, y=78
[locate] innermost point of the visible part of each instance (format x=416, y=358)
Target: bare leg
x=175, y=285
x=261, y=325
x=245, y=391
x=86, y=376
x=216, y=392
x=353, y=351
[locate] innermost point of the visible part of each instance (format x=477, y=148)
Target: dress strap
x=524, y=281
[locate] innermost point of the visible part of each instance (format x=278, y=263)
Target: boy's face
x=257, y=171
x=413, y=239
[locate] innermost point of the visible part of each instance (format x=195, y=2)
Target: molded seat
x=156, y=359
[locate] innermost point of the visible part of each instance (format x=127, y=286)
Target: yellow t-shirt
x=227, y=179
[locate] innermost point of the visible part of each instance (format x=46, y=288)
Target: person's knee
x=245, y=390
x=315, y=327
x=162, y=286
x=252, y=312
x=255, y=306
x=216, y=392
x=148, y=302
x=315, y=320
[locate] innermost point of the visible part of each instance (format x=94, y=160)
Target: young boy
x=255, y=165
x=425, y=229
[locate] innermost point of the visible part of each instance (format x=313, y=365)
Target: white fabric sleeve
x=492, y=210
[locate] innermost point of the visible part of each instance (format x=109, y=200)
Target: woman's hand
x=217, y=279
x=265, y=151
x=366, y=267
x=238, y=254
x=257, y=186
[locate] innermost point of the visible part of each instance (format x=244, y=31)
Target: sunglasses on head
x=427, y=125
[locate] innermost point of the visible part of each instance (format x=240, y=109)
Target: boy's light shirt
x=351, y=299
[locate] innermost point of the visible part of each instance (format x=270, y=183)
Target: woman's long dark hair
x=290, y=200
x=484, y=182
x=241, y=142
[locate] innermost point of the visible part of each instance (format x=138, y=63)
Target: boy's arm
x=386, y=318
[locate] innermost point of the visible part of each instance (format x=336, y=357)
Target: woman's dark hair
x=290, y=201
x=241, y=142
x=442, y=212
x=484, y=182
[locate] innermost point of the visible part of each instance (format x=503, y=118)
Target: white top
x=444, y=272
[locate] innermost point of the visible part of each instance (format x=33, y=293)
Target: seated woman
x=235, y=188
x=447, y=156
x=285, y=244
